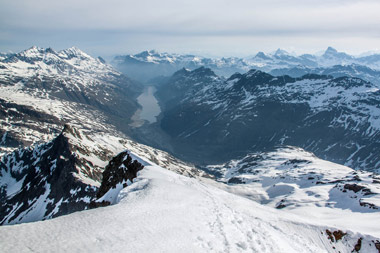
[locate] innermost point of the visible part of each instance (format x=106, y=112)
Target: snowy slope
x=165, y=212
x=297, y=181
x=62, y=176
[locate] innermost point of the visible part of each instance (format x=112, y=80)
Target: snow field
x=166, y=212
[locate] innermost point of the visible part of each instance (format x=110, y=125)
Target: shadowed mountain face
x=212, y=120
x=44, y=181
x=352, y=70
x=59, y=177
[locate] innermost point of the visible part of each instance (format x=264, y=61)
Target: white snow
x=166, y=212
x=308, y=186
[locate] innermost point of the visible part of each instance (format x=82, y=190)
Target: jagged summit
x=182, y=71
x=73, y=52
x=254, y=72
x=118, y=174
x=48, y=62
x=331, y=55
x=262, y=55
x=56, y=173
x=203, y=71
x=280, y=52
x=331, y=50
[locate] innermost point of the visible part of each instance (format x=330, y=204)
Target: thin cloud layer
x=282, y=23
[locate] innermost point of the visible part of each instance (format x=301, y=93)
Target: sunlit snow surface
x=300, y=183
x=166, y=212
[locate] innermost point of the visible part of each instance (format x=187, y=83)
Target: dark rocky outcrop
x=46, y=175
x=356, y=188
x=358, y=245
x=119, y=170
x=335, y=236
x=377, y=245
x=46, y=181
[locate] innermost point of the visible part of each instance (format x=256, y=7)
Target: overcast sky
x=207, y=27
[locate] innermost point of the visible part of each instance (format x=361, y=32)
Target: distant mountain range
x=148, y=65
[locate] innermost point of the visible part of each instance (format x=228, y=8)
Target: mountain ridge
x=243, y=109
x=165, y=64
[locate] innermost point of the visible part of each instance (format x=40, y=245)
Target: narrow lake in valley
x=150, y=108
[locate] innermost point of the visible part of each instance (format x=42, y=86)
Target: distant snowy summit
x=154, y=63
x=150, y=64
x=48, y=61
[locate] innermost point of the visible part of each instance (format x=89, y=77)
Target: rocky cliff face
x=71, y=172
x=46, y=181
x=118, y=174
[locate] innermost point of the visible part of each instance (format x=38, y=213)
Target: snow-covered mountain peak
x=32, y=50
x=152, y=56
x=254, y=73
x=69, y=64
x=280, y=52
x=196, y=74
x=73, y=52
x=262, y=55
x=148, y=65
x=203, y=72
x=333, y=57
x=32, y=55
x=330, y=50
